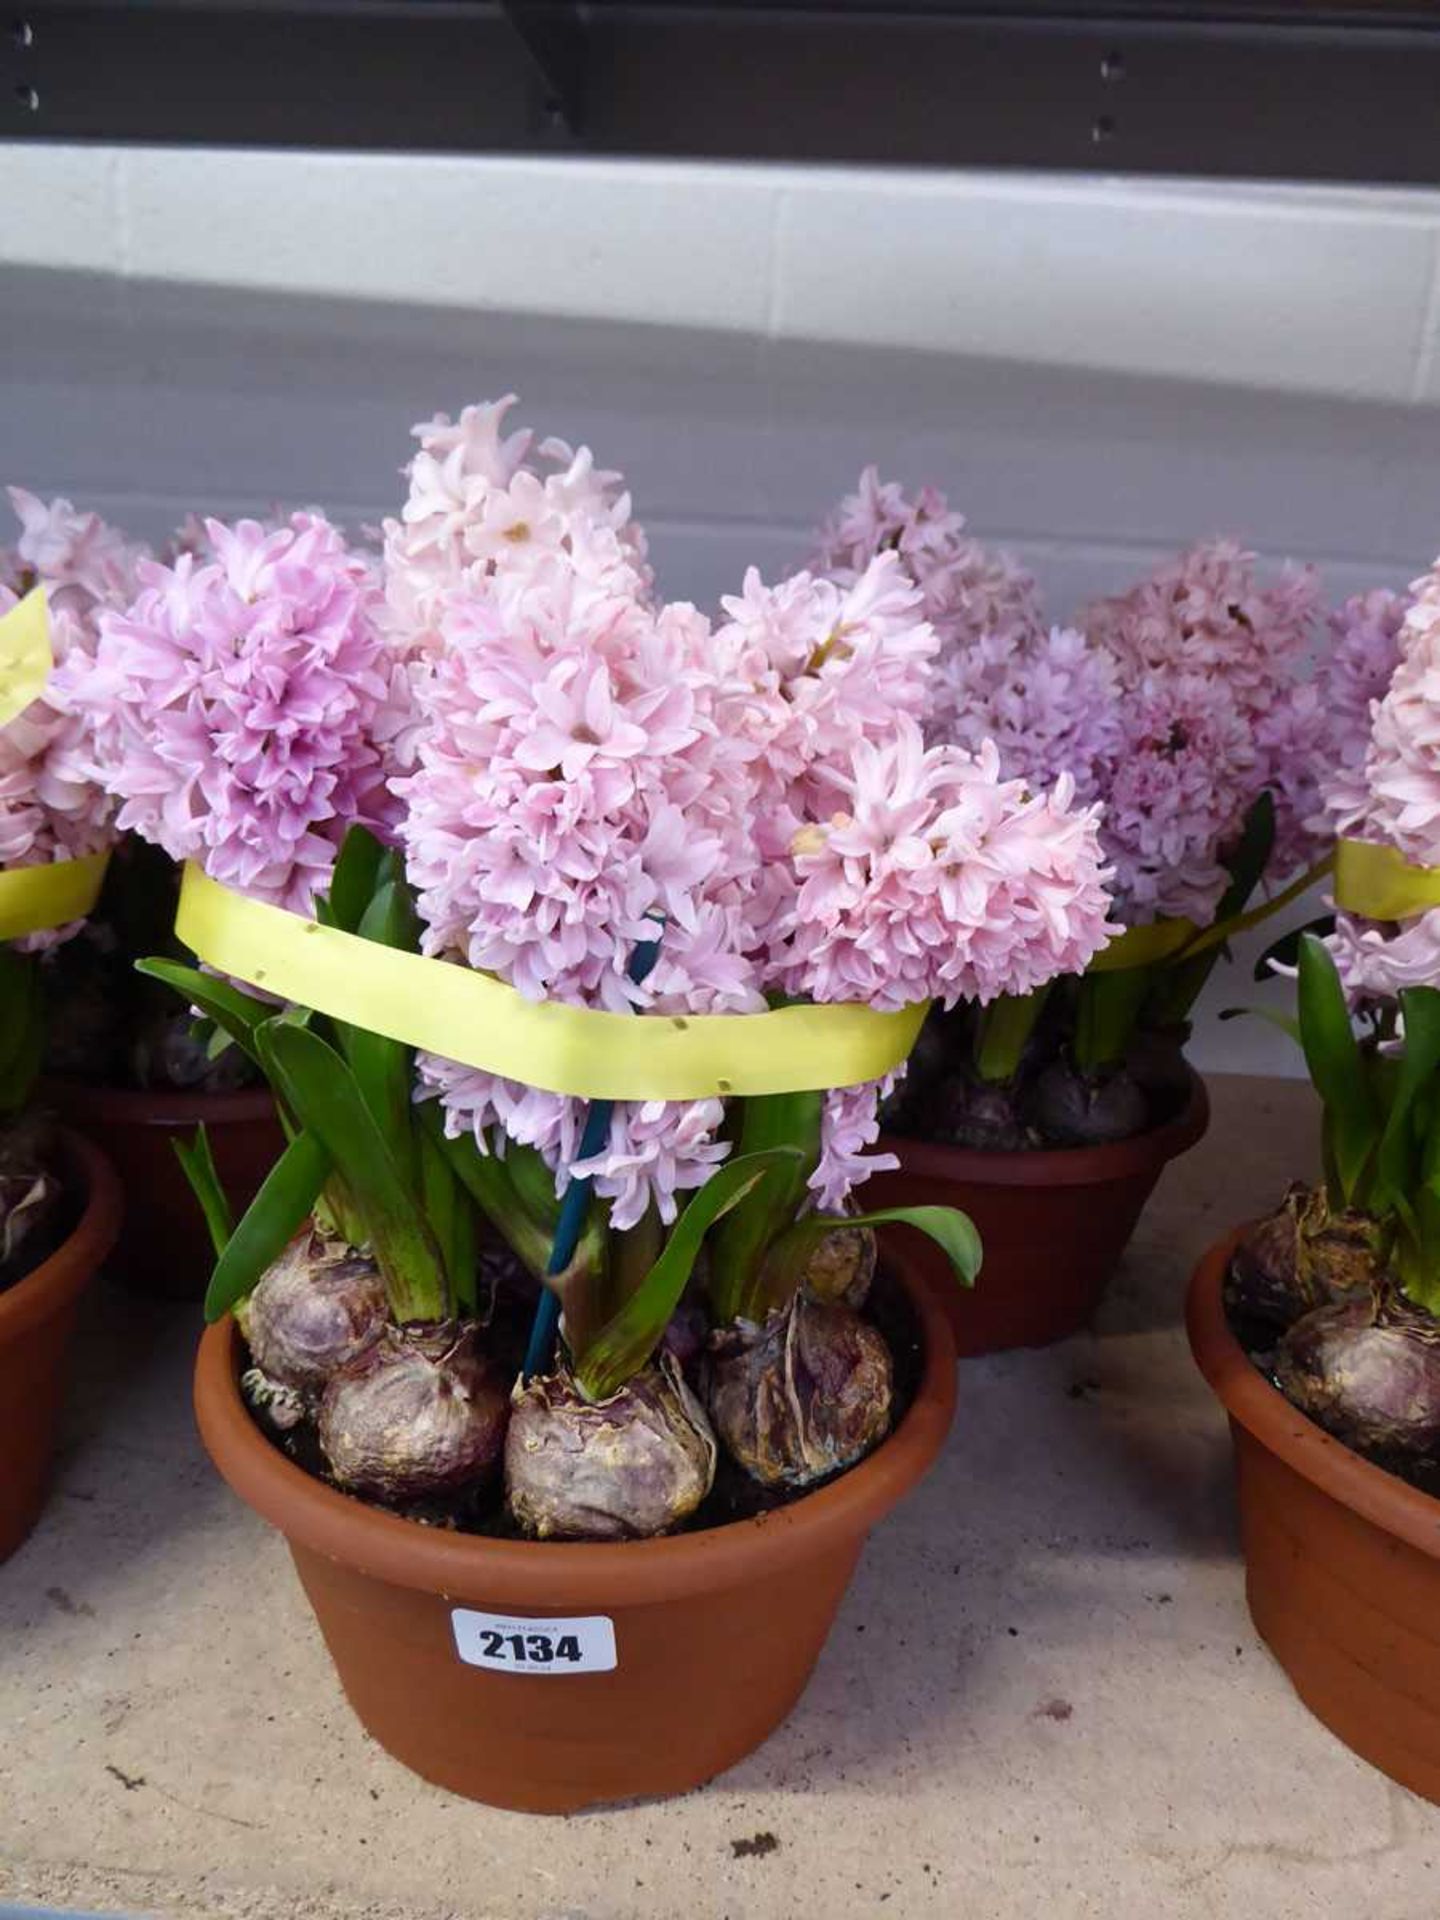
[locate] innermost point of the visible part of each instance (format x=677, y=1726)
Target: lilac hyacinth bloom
x=239, y=708
x=1174, y=705
x=1208, y=657
x=1317, y=737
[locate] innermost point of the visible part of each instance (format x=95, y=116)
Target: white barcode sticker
x=507, y=1643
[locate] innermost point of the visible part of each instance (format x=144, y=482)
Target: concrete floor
x=1071, y=1714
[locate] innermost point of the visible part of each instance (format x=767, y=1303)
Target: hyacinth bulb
x=842, y=1266
x=803, y=1396
x=169, y=1051
x=27, y=1200
x=29, y=1192
x=1368, y=1371
x=619, y=1469
x=420, y=1412
x=974, y=1113
x=315, y=1309
x=1074, y=1109
x=1300, y=1257
x=1155, y=1061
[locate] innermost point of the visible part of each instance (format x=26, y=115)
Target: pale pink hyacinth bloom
x=980, y=601
x=1382, y=678
x=1168, y=750
x=812, y=668
x=1175, y=706
x=51, y=806
x=47, y=811
x=590, y=762
x=1374, y=962
x=1317, y=737
x=241, y=702
x=573, y=790
x=1402, y=767
x=938, y=880
x=1208, y=612
x=1395, y=800
x=941, y=880
x=969, y=589
x=1365, y=642
x=484, y=505
x=808, y=669
x=827, y=687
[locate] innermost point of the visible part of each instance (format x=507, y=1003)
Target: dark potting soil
x=734, y=1496
x=1259, y=1338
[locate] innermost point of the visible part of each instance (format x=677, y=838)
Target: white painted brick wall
x=1096, y=372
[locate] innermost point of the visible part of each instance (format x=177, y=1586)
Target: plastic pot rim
x=1263, y=1411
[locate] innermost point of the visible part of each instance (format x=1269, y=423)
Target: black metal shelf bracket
x=554, y=38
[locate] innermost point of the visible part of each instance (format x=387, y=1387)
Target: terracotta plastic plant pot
x=1053, y=1224
x=37, y=1317
x=715, y=1632
x=1342, y=1560
x=164, y=1245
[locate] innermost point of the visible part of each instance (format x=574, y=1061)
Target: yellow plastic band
x=1379, y=883
x=34, y=898
x=1144, y=946
x=25, y=658
x=481, y=1022
x=1177, y=940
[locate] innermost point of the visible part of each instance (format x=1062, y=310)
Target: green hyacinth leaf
x=198, y=1164
x=626, y=1341
x=1337, y=1068
x=238, y=1013
x=276, y=1214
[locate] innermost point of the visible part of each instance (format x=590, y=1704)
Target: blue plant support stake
x=540, y=1353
